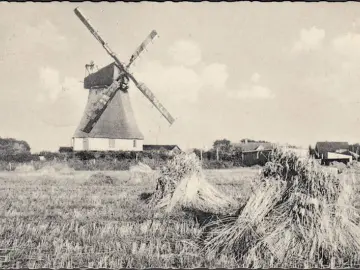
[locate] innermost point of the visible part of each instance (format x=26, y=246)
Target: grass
x=64, y=220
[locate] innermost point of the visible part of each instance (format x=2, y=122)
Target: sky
x=282, y=72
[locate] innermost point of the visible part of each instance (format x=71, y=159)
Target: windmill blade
x=100, y=106
x=86, y=22
x=150, y=96
x=142, y=47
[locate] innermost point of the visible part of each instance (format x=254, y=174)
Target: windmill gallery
x=108, y=122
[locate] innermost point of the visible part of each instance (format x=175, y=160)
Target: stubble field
x=70, y=220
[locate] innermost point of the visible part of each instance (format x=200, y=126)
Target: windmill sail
x=142, y=47
x=86, y=22
x=103, y=102
x=150, y=96
x=100, y=106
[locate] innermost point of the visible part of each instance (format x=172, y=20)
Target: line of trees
x=223, y=154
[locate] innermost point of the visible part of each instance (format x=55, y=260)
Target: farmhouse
x=254, y=153
x=333, y=151
x=172, y=149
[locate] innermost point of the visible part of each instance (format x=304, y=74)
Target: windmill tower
x=108, y=122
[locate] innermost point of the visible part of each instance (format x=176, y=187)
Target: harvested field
x=64, y=220
x=69, y=219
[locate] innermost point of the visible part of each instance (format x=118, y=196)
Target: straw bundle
x=100, y=179
x=236, y=235
x=182, y=184
x=302, y=216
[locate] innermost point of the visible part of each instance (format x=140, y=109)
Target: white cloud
x=347, y=45
x=50, y=82
x=255, y=77
x=356, y=24
x=59, y=102
x=310, y=39
x=215, y=75
x=177, y=82
x=252, y=92
x=43, y=35
x=339, y=78
x=185, y=52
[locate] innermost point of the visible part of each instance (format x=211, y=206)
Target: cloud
x=178, y=83
x=347, y=45
x=215, y=75
x=50, y=83
x=310, y=39
x=60, y=102
x=185, y=52
x=338, y=79
x=252, y=92
x=356, y=24
x=255, y=77
x=43, y=35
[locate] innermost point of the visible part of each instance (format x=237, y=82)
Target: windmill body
x=116, y=128
x=108, y=122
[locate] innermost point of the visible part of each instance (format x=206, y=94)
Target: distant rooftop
x=324, y=147
x=253, y=146
x=160, y=146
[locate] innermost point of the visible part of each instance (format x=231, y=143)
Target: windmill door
x=86, y=144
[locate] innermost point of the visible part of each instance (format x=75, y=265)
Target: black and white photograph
x=179, y=135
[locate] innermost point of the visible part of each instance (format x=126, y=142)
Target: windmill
x=108, y=122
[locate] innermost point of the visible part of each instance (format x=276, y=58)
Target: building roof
x=324, y=147
x=116, y=122
x=101, y=78
x=253, y=146
x=159, y=147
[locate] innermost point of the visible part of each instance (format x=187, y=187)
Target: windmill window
x=111, y=143
x=134, y=143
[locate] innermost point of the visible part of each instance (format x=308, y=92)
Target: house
x=172, y=149
x=333, y=151
x=253, y=146
x=254, y=153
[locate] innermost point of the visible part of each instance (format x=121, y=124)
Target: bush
x=85, y=155
x=20, y=157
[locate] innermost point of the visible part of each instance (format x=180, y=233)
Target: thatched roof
x=117, y=121
x=253, y=146
x=325, y=147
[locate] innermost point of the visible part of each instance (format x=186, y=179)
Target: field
x=63, y=219
x=292, y=212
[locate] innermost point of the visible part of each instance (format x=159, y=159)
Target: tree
x=223, y=145
x=10, y=146
x=251, y=140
